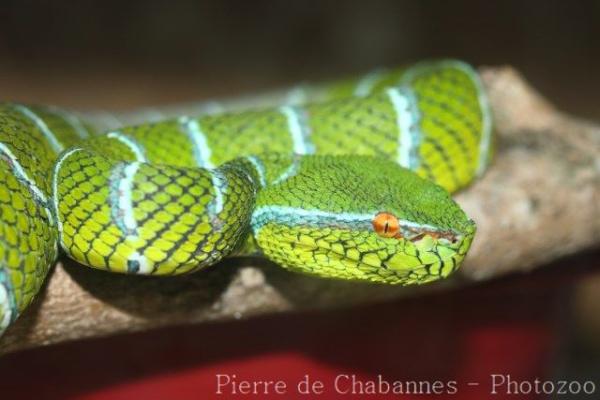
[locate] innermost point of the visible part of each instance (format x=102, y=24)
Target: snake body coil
x=339, y=184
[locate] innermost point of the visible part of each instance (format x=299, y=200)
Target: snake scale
x=346, y=180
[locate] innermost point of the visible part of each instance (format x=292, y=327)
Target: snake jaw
x=342, y=253
x=431, y=255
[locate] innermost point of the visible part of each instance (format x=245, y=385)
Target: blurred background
x=126, y=54
x=118, y=54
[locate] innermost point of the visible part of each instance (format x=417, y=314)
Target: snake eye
x=386, y=225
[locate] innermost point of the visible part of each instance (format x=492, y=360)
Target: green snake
x=349, y=180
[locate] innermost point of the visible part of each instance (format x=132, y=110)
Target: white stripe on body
x=219, y=183
x=202, y=152
x=124, y=216
x=484, y=106
x=365, y=85
x=48, y=134
x=21, y=174
x=124, y=199
x=406, y=122
x=134, y=146
x=74, y=121
x=144, y=265
x=298, y=130
x=288, y=172
x=55, y=173
x=260, y=169
x=296, y=95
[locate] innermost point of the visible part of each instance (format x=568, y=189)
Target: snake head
x=359, y=218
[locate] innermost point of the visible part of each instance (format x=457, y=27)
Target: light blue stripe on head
x=293, y=216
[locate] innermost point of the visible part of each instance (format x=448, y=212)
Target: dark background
x=126, y=54
x=118, y=54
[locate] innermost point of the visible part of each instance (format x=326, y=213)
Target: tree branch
x=539, y=200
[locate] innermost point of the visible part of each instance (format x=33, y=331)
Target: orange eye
x=386, y=225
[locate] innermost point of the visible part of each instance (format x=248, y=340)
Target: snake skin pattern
x=341, y=181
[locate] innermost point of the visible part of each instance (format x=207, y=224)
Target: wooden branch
x=539, y=200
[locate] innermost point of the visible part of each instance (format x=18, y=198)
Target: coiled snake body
x=342, y=185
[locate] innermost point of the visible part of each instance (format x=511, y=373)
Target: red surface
x=505, y=327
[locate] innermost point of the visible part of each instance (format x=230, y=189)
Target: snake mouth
x=444, y=236
x=379, y=260
x=426, y=256
x=448, y=237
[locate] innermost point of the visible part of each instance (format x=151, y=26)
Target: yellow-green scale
x=27, y=230
x=451, y=126
x=448, y=126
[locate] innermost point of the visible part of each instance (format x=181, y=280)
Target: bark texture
x=539, y=200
